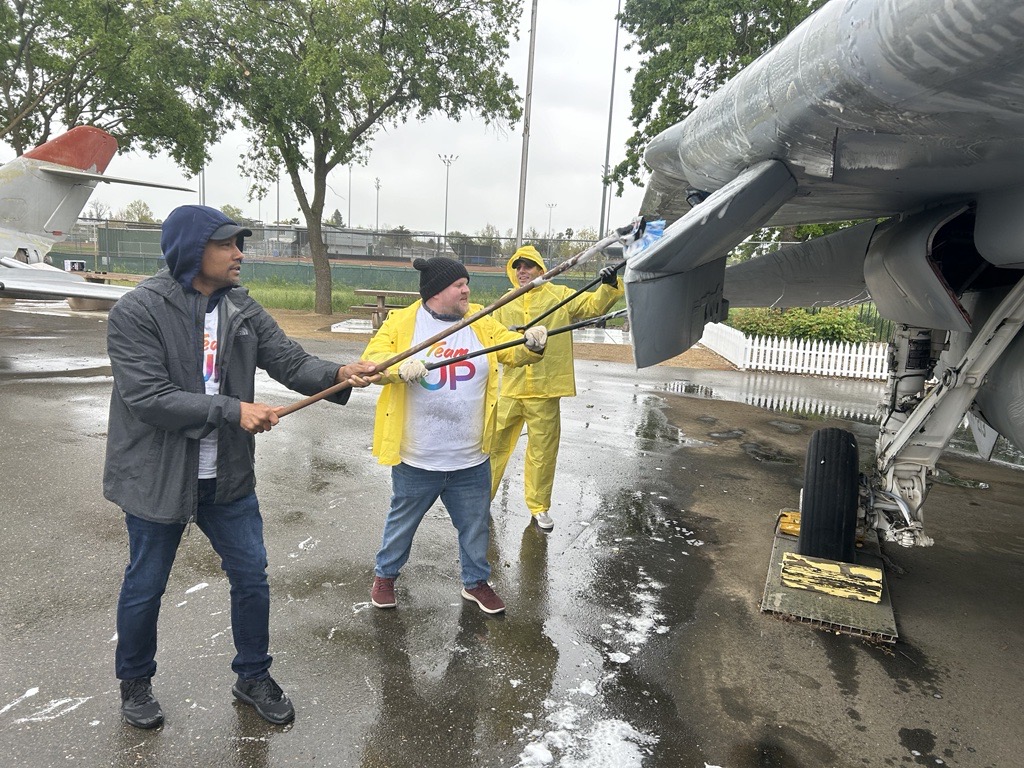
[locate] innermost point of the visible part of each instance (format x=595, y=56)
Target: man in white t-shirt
x=435, y=428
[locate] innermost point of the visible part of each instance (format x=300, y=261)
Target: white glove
x=536, y=338
x=412, y=371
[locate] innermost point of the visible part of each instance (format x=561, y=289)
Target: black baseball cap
x=229, y=230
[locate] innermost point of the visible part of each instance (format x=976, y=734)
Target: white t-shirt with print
x=211, y=375
x=444, y=413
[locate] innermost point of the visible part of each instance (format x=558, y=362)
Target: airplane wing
x=876, y=109
x=675, y=285
x=71, y=173
x=25, y=282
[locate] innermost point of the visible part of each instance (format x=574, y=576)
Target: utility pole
x=348, y=221
x=447, y=160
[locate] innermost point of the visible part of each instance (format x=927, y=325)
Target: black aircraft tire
x=828, y=509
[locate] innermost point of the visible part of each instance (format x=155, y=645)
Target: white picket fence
x=819, y=358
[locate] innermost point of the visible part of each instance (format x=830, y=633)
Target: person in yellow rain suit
x=532, y=394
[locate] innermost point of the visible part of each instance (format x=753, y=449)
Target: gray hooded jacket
x=159, y=409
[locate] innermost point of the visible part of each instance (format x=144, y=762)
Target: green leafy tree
x=313, y=80
x=114, y=65
x=336, y=219
x=136, y=210
x=489, y=235
x=234, y=213
x=688, y=48
x=398, y=236
x=457, y=241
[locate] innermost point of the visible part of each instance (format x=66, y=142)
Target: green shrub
x=826, y=324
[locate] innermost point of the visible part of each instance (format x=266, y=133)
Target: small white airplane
x=909, y=115
x=42, y=194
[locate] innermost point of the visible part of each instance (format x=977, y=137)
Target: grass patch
x=279, y=294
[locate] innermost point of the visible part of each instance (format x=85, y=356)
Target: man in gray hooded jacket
x=184, y=347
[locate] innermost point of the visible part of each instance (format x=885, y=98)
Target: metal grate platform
x=873, y=621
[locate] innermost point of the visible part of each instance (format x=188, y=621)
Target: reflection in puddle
x=848, y=399
x=654, y=425
x=785, y=401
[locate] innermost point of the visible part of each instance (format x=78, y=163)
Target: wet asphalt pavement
x=633, y=635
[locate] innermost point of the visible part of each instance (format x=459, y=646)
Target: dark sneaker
x=267, y=697
x=382, y=594
x=485, y=597
x=138, y=706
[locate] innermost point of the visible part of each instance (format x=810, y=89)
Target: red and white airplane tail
x=85, y=148
x=42, y=193
x=45, y=190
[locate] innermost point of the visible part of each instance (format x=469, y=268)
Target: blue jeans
x=465, y=493
x=235, y=530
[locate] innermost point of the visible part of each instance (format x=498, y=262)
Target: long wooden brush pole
x=467, y=320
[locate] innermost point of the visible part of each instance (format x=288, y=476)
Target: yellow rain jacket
x=394, y=336
x=555, y=375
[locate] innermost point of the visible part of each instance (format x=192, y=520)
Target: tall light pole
x=605, y=186
x=348, y=221
x=551, y=209
x=526, y=126
x=376, y=183
x=447, y=160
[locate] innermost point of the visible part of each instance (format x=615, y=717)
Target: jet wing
x=675, y=285
x=72, y=173
x=876, y=109
x=29, y=283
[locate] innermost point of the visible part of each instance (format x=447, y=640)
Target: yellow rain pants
x=542, y=417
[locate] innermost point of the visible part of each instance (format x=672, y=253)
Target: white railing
x=819, y=358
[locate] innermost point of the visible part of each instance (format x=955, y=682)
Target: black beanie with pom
x=437, y=273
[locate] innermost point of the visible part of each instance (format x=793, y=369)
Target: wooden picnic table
x=109, y=277
x=380, y=302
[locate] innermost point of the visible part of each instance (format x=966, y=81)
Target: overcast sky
x=571, y=89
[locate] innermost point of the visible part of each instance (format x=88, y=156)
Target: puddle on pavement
x=767, y=455
x=809, y=407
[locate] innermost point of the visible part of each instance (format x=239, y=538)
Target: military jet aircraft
x=42, y=193
x=905, y=115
